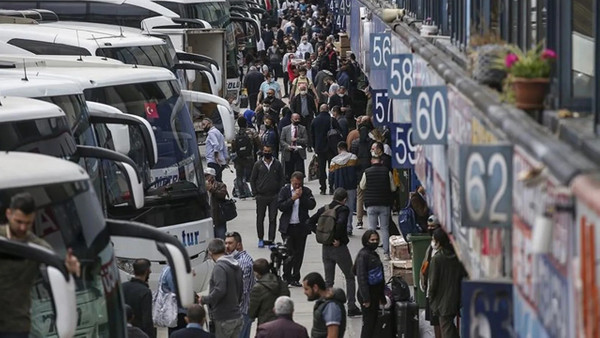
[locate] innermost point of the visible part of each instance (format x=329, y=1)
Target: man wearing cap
x=217, y=193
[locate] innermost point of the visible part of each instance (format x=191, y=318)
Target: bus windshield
x=50, y=136
x=156, y=55
x=69, y=216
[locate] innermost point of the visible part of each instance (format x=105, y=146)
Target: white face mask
x=303, y=92
x=434, y=244
x=341, y=94
x=305, y=42
x=373, y=154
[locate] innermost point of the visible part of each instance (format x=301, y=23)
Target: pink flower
x=510, y=60
x=548, y=54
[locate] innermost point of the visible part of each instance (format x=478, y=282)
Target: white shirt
x=268, y=164
x=295, y=218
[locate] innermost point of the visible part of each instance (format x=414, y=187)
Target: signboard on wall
x=487, y=309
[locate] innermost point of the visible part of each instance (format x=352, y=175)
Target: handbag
x=164, y=307
x=227, y=209
x=313, y=168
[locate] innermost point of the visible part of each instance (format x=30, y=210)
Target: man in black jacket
x=304, y=105
x=338, y=253
x=266, y=180
x=137, y=294
x=320, y=126
x=294, y=202
x=195, y=320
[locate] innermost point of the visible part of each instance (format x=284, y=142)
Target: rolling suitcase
x=407, y=319
x=385, y=324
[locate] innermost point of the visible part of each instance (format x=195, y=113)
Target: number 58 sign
x=486, y=182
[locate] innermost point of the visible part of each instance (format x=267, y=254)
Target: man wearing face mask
x=343, y=101
x=302, y=81
x=304, y=105
x=269, y=135
x=294, y=140
x=137, y=294
x=432, y=224
x=304, y=47
x=266, y=86
x=252, y=83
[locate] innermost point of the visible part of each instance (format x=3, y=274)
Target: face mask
x=374, y=154
x=303, y=92
x=434, y=244
x=268, y=156
x=372, y=246
x=206, y=128
x=341, y=94
x=270, y=94
x=305, y=42
x=268, y=126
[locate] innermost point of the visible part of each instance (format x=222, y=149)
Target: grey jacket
x=225, y=289
x=286, y=141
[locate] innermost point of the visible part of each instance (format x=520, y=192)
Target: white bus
x=70, y=216
x=176, y=199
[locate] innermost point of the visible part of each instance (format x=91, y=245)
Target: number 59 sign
x=485, y=177
x=402, y=146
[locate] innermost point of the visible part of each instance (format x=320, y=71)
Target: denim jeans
x=351, y=204
x=380, y=213
x=246, y=325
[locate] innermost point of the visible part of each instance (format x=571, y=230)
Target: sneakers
x=386, y=257
x=354, y=311
x=359, y=225
x=261, y=243
x=294, y=283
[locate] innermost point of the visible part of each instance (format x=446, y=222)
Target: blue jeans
x=246, y=325
x=351, y=204
x=220, y=230
x=382, y=214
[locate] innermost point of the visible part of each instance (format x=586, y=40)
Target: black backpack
x=334, y=136
x=400, y=289
x=243, y=145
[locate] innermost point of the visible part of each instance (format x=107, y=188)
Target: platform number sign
x=486, y=180
x=429, y=114
x=382, y=108
x=334, y=6
x=345, y=6
x=400, y=74
x=403, y=147
x=381, y=48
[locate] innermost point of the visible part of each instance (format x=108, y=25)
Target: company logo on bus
x=110, y=276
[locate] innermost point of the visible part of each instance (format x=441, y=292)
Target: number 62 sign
x=485, y=178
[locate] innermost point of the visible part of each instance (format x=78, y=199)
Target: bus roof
x=22, y=108
x=17, y=170
x=88, y=71
x=76, y=35
x=190, y=1
x=13, y=83
x=139, y=3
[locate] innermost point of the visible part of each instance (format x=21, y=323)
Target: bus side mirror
x=135, y=185
x=183, y=280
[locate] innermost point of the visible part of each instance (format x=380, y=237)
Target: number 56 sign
x=486, y=182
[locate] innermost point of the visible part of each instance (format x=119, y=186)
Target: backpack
x=326, y=225
x=243, y=144
x=408, y=222
x=334, y=136
x=400, y=289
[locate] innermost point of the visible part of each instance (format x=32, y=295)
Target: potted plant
x=529, y=74
x=428, y=28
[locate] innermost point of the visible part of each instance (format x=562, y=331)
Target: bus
x=176, y=200
x=68, y=215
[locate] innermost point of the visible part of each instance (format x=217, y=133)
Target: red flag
x=268, y=4
x=151, y=111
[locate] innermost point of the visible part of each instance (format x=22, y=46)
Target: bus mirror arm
x=166, y=244
x=195, y=66
x=56, y=276
x=250, y=21
x=105, y=154
x=182, y=56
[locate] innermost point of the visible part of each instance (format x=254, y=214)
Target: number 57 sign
x=486, y=181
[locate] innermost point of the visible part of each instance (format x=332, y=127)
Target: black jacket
x=341, y=222
x=266, y=182
x=191, y=332
x=253, y=81
x=135, y=332
x=286, y=205
x=365, y=261
x=319, y=128
x=296, y=105
x=137, y=294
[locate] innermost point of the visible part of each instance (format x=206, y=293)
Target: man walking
x=343, y=174
x=266, y=181
x=329, y=315
x=293, y=146
x=320, y=128
x=18, y=276
x=336, y=252
x=378, y=184
x=252, y=83
x=235, y=247
x=294, y=202
x=244, y=146
x=225, y=292
x=216, y=150
x=304, y=104
x=137, y=294
x=267, y=289
x=195, y=321
x=284, y=325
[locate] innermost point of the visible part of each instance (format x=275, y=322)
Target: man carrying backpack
x=244, y=146
x=329, y=225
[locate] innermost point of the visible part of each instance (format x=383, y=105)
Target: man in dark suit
x=293, y=144
x=319, y=129
x=252, y=83
x=305, y=105
x=137, y=294
x=294, y=202
x=284, y=325
x=344, y=101
x=195, y=319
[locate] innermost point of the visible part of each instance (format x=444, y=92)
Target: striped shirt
x=246, y=263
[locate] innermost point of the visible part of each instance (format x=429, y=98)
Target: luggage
x=385, y=324
x=407, y=319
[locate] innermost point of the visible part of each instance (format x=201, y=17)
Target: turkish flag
x=151, y=110
x=268, y=4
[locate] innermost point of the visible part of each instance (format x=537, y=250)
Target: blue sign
x=345, y=7
x=429, y=114
x=402, y=146
x=485, y=177
x=487, y=309
x=340, y=20
x=380, y=47
x=400, y=75
x=382, y=108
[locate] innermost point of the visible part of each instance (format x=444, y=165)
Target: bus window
x=69, y=10
x=172, y=6
x=122, y=14
x=47, y=48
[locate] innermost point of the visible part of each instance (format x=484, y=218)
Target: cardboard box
x=344, y=40
x=402, y=268
x=399, y=249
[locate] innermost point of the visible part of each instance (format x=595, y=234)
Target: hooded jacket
x=263, y=295
x=226, y=287
x=445, y=276
x=343, y=167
